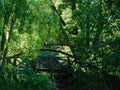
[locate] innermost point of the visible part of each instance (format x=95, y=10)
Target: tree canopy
x=42, y=33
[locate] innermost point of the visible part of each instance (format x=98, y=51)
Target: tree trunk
x=6, y=49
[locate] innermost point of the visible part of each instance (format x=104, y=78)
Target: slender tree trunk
x=87, y=33
x=100, y=24
x=3, y=41
x=98, y=32
x=63, y=24
x=6, y=49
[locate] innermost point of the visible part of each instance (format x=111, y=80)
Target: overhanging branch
x=52, y=50
x=57, y=44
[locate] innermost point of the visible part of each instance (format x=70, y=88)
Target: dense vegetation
x=81, y=36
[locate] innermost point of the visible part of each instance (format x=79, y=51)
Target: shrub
x=25, y=80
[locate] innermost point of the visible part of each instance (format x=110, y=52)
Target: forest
x=59, y=44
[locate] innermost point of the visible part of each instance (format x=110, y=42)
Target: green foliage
x=93, y=81
x=90, y=28
x=96, y=44
x=35, y=22
x=24, y=80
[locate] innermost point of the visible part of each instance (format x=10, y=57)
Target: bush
x=25, y=80
x=88, y=81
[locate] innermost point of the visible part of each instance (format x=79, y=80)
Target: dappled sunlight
x=59, y=44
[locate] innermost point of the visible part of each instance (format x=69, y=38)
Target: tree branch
x=52, y=50
x=15, y=56
x=57, y=44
